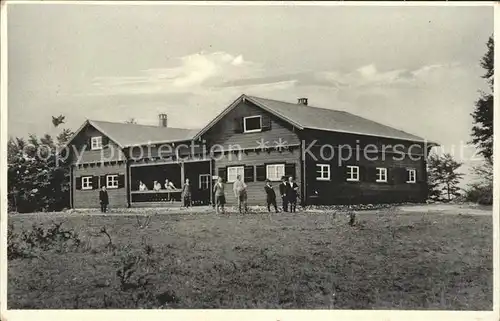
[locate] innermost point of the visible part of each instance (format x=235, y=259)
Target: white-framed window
x=381, y=175
x=204, y=181
x=234, y=171
x=352, y=173
x=322, y=172
x=274, y=172
x=96, y=142
x=86, y=182
x=112, y=181
x=252, y=124
x=412, y=175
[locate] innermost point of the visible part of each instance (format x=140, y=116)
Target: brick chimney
x=302, y=101
x=162, y=118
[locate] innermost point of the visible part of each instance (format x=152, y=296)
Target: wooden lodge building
x=335, y=157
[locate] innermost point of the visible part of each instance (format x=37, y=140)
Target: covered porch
x=199, y=174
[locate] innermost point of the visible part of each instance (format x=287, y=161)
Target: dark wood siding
x=81, y=152
x=354, y=141
x=256, y=193
x=338, y=190
x=90, y=198
x=228, y=131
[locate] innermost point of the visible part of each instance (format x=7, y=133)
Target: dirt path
x=452, y=209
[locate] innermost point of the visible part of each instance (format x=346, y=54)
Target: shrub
x=40, y=239
x=480, y=193
x=15, y=248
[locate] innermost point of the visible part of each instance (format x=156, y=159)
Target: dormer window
x=252, y=124
x=96, y=142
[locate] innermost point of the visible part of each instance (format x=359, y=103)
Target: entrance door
x=205, y=187
x=200, y=178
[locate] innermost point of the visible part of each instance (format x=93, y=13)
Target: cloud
x=215, y=71
x=368, y=71
x=210, y=81
x=238, y=60
x=192, y=72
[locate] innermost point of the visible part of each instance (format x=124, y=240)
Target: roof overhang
x=426, y=142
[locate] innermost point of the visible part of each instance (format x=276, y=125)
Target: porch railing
x=156, y=196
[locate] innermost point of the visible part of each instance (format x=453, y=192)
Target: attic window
x=96, y=142
x=252, y=124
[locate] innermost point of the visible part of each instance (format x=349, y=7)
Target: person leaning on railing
x=169, y=186
x=142, y=186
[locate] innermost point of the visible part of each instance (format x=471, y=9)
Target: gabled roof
x=309, y=117
x=127, y=135
x=300, y=116
x=332, y=120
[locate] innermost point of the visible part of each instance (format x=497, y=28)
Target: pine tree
x=482, y=130
x=443, y=176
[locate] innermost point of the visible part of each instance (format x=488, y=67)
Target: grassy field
x=388, y=260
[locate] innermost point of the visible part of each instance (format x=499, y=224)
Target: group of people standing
x=240, y=193
x=288, y=190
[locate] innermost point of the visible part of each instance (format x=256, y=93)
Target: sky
x=413, y=68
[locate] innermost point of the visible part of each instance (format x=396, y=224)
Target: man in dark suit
x=283, y=188
x=103, y=199
x=270, y=196
x=291, y=194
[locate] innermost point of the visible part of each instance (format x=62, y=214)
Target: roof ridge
x=338, y=111
x=130, y=124
x=302, y=106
